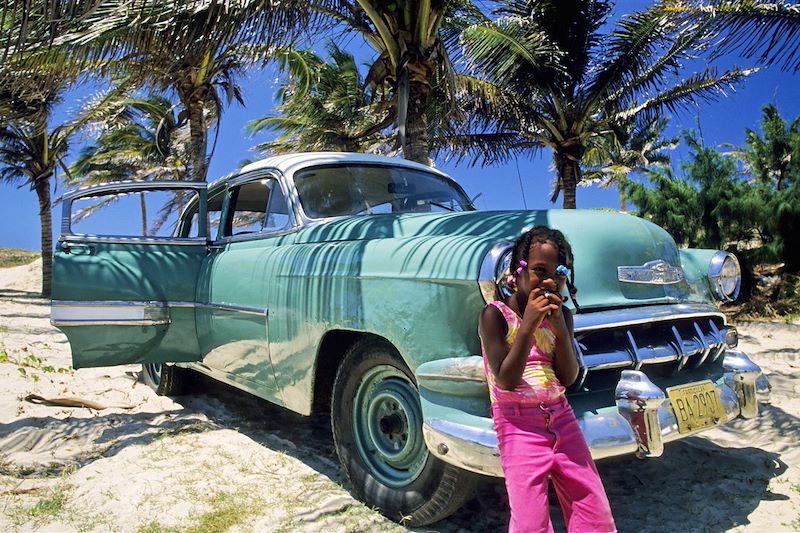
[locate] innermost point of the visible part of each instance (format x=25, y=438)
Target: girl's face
x=541, y=270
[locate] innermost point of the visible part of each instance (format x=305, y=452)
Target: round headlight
x=725, y=275
x=494, y=271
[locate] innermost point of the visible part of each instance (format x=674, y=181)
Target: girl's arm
x=508, y=363
x=565, y=361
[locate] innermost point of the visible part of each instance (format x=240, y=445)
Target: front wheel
x=377, y=429
x=166, y=380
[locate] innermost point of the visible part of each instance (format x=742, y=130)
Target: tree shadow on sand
x=695, y=485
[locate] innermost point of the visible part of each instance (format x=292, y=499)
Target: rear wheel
x=377, y=430
x=166, y=380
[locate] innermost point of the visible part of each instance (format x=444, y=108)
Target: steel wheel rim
x=153, y=372
x=387, y=422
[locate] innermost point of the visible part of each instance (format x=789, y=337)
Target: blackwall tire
x=377, y=429
x=166, y=380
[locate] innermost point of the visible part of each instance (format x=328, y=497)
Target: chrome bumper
x=641, y=422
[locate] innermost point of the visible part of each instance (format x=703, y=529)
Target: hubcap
x=153, y=372
x=387, y=426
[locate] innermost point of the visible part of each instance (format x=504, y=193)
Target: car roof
x=290, y=163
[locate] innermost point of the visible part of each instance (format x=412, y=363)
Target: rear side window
x=257, y=207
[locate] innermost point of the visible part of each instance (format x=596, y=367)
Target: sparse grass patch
x=228, y=510
x=11, y=257
x=31, y=362
x=154, y=527
x=47, y=509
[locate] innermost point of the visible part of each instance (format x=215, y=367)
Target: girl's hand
x=549, y=292
x=541, y=303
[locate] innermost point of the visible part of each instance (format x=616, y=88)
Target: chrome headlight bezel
x=495, y=270
x=725, y=276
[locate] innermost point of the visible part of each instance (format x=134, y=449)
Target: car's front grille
x=657, y=348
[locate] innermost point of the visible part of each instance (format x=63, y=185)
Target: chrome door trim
x=108, y=313
x=131, y=313
x=247, y=310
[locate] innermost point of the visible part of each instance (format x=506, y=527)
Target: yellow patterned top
x=539, y=382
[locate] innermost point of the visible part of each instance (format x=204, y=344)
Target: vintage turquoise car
x=352, y=284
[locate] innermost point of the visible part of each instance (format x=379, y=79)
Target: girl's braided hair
x=541, y=235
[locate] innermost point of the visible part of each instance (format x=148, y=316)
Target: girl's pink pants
x=545, y=440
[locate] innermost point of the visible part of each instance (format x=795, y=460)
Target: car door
x=235, y=284
x=125, y=272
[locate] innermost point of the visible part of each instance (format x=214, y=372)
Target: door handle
x=77, y=248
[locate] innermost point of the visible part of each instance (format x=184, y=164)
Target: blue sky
x=720, y=122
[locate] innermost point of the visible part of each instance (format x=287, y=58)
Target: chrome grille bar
x=693, y=341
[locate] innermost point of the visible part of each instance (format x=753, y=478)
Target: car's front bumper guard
x=641, y=422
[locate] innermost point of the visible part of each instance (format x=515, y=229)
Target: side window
x=257, y=206
x=278, y=209
x=133, y=213
x=214, y=213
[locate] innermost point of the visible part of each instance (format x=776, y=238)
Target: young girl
x=529, y=358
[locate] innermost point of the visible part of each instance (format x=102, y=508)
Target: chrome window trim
x=97, y=190
x=646, y=273
x=126, y=187
x=618, y=318
x=121, y=239
x=294, y=225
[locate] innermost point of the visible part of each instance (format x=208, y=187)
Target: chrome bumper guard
x=641, y=422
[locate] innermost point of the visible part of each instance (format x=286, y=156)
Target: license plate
x=696, y=406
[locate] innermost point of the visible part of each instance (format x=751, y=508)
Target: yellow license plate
x=696, y=405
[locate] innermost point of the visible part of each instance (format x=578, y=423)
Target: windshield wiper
x=437, y=204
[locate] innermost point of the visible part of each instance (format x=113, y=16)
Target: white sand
x=222, y=454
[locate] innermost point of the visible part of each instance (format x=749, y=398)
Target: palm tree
x=195, y=50
x=594, y=81
x=629, y=149
x=138, y=145
x=31, y=152
x=765, y=29
x=331, y=111
x=413, y=62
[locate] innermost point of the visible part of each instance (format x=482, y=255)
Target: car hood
x=442, y=246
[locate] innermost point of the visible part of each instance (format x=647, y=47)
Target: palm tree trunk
x=193, y=100
x=568, y=167
x=568, y=170
x=42, y=187
x=143, y=205
x=622, y=182
x=415, y=147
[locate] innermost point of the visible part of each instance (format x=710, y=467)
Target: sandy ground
x=220, y=459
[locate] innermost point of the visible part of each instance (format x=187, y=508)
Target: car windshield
x=340, y=190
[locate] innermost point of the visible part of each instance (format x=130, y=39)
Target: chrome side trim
x=71, y=313
x=618, y=318
x=259, y=311
x=657, y=272
x=130, y=313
